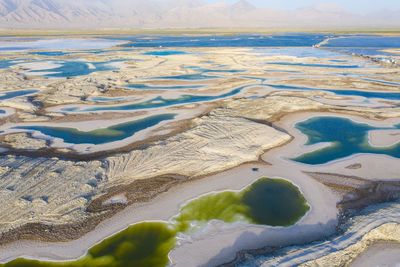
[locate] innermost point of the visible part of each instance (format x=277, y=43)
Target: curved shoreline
x=165, y=205
x=384, y=138
x=86, y=126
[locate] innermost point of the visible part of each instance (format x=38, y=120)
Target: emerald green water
x=144, y=245
x=274, y=202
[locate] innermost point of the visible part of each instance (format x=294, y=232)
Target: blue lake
x=165, y=53
x=364, y=44
x=100, y=136
x=207, y=70
x=365, y=41
x=157, y=102
x=142, y=86
x=50, y=53
x=4, y=64
x=105, y=99
x=13, y=94
x=12, y=48
x=362, y=51
x=382, y=81
x=202, y=74
x=248, y=40
x=366, y=94
x=346, y=137
x=190, y=77
x=75, y=68
x=301, y=52
x=315, y=65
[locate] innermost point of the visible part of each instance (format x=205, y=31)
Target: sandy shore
x=322, y=216
x=223, y=243
x=219, y=242
x=380, y=254
x=373, y=167
x=384, y=138
x=5, y=112
x=202, y=248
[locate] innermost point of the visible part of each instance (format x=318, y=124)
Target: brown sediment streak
x=139, y=191
x=176, y=126
x=358, y=192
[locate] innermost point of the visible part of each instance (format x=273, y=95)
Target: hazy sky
x=356, y=6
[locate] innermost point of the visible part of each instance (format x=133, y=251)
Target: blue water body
x=221, y=71
x=382, y=81
x=365, y=51
x=157, y=102
x=346, y=137
x=369, y=45
x=223, y=41
x=142, y=86
x=336, y=66
x=366, y=94
x=190, y=77
x=2, y=111
x=49, y=53
x=338, y=60
x=105, y=99
x=365, y=41
x=301, y=52
x=207, y=70
x=100, y=136
x=13, y=94
x=202, y=74
x=12, y=48
x=165, y=53
x=4, y=64
x=75, y=68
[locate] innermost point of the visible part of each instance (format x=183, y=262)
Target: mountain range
x=89, y=14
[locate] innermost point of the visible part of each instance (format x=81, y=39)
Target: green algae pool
x=274, y=202
x=144, y=244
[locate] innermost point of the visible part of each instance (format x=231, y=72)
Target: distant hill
x=177, y=14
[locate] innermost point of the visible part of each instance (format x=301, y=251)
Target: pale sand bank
x=221, y=242
x=384, y=138
x=379, y=255
x=319, y=221
x=86, y=126
x=373, y=167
